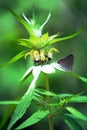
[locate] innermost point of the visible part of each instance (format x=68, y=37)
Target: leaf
x=64, y=95
x=24, y=103
x=43, y=40
x=37, y=97
x=72, y=123
x=77, y=76
x=50, y=38
x=34, y=41
x=44, y=37
x=20, y=109
x=34, y=118
x=24, y=42
x=44, y=92
x=67, y=37
x=76, y=113
x=30, y=43
x=77, y=99
x=6, y=115
x=14, y=59
x=57, y=66
x=22, y=21
x=8, y=102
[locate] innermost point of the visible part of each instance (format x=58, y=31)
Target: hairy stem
x=48, y=100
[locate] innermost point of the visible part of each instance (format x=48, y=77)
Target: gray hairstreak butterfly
x=66, y=62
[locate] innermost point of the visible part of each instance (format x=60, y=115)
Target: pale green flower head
x=36, y=39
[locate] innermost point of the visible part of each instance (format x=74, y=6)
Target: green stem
x=50, y=120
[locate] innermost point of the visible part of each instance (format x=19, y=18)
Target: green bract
x=36, y=29
x=36, y=39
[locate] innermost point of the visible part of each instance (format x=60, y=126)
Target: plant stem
x=48, y=100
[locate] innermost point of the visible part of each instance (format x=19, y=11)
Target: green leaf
x=47, y=93
x=8, y=102
x=37, y=97
x=14, y=59
x=30, y=43
x=67, y=37
x=44, y=37
x=24, y=42
x=20, y=109
x=6, y=115
x=24, y=102
x=34, y=118
x=22, y=21
x=76, y=113
x=77, y=76
x=60, y=68
x=64, y=95
x=50, y=38
x=77, y=99
x=72, y=123
x=43, y=40
x=70, y=73
x=34, y=41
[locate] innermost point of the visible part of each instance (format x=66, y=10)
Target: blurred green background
x=67, y=17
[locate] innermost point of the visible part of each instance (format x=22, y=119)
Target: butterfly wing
x=67, y=62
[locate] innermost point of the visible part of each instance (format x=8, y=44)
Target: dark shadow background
x=67, y=17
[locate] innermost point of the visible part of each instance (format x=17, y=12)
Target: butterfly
x=67, y=62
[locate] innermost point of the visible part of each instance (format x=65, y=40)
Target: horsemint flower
x=41, y=56
x=37, y=44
